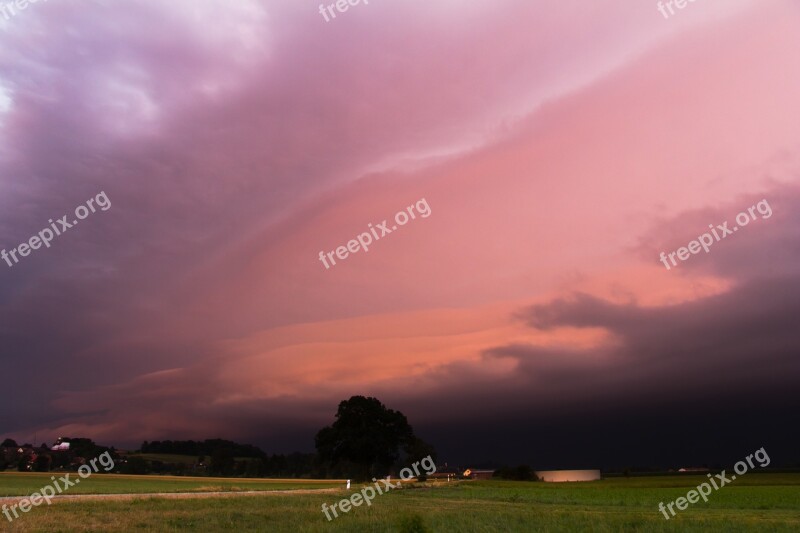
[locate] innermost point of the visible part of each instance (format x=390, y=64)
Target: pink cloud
x=556, y=146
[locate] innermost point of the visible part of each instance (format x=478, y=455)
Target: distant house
x=445, y=472
x=27, y=456
x=478, y=474
x=562, y=476
x=60, y=445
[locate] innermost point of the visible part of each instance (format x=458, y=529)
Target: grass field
x=756, y=502
x=23, y=484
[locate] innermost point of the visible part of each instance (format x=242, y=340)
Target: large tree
x=366, y=439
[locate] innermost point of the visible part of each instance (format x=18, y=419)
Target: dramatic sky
x=561, y=146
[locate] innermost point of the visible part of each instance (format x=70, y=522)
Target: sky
x=552, y=151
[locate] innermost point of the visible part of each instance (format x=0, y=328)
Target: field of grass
x=756, y=502
x=25, y=483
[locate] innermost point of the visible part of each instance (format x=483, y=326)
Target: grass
x=756, y=502
x=25, y=483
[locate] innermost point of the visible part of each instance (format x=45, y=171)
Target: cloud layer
x=560, y=148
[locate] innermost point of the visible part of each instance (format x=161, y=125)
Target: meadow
x=756, y=502
x=25, y=483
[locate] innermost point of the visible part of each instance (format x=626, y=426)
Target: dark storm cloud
x=695, y=381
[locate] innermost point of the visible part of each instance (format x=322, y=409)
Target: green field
x=756, y=502
x=23, y=484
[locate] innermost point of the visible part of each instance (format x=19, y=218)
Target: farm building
x=478, y=474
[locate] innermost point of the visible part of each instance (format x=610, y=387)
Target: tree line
x=366, y=440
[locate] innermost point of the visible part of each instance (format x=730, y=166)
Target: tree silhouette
x=365, y=440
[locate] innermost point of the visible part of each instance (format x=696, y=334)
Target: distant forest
x=205, y=447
